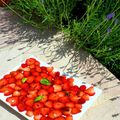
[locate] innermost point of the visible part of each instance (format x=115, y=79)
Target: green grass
x=92, y=32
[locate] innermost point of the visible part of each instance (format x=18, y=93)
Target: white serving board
x=77, y=82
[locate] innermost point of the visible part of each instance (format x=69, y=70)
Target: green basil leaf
x=38, y=98
x=45, y=81
x=24, y=80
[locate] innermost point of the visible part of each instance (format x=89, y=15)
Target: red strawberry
x=90, y=91
x=69, y=117
x=74, y=98
x=44, y=118
x=38, y=78
x=49, y=104
x=32, y=66
x=25, y=86
x=78, y=106
x=23, y=93
x=51, y=89
x=60, y=94
x=21, y=107
x=75, y=89
x=35, y=73
x=42, y=92
x=66, y=111
x=37, y=117
x=80, y=93
x=11, y=85
x=35, y=86
x=58, y=105
x=30, y=79
x=29, y=102
x=37, y=63
x=38, y=105
x=19, y=76
x=57, y=82
x=44, y=111
x=29, y=113
x=43, y=75
x=71, y=80
x=14, y=73
x=44, y=99
x=49, y=69
x=30, y=61
x=7, y=91
x=26, y=73
x=66, y=86
x=12, y=100
x=3, y=82
x=69, y=104
x=57, y=88
x=38, y=69
x=43, y=69
x=16, y=93
x=7, y=76
x=81, y=101
x=60, y=118
x=53, y=97
x=23, y=65
x=85, y=97
x=82, y=88
x=64, y=99
x=55, y=113
x=75, y=110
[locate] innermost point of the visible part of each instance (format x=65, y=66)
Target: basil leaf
x=24, y=80
x=45, y=81
x=38, y=98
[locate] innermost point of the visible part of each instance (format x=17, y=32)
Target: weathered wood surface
x=19, y=41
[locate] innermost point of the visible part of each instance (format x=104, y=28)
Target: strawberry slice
x=75, y=110
x=21, y=107
x=38, y=105
x=3, y=82
x=13, y=100
x=82, y=88
x=60, y=118
x=49, y=69
x=16, y=93
x=19, y=76
x=54, y=114
x=58, y=105
x=69, y=104
x=7, y=90
x=44, y=111
x=49, y=104
x=85, y=97
x=90, y=91
x=53, y=97
x=69, y=117
x=57, y=88
x=29, y=113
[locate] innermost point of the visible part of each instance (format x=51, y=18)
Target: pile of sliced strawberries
x=42, y=93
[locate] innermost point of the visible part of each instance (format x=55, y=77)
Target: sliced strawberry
x=66, y=111
x=69, y=104
x=37, y=117
x=38, y=105
x=90, y=91
x=43, y=69
x=44, y=111
x=71, y=80
x=82, y=88
x=3, y=82
x=29, y=113
x=7, y=91
x=49, y=69
x=43, y=92
x=44, y=75
x=12, y=100
x=80, y=93
x=16, y=93
x=23, y=65
x=30, y=61
x=66, y=86
x=75, y=88
x=19, y=76
x=57, y=81
x=60, y=118
x=37, y=63
x=58, y=105
x=26, y=73
x=44, y=99
x=32, y=66
x=7, y=76
x=57, y=88
x=29, y=102
x=44, y=118
x=51, y=89
x=55, y=113
x=53, y=97
x=25, y=86
x=81, y=101
x=35, y=86
x=75, y=110
x=69, y=117
x=64, y=99
x=30, y=79
x=23, y=93
x=21, y=107
x=35, y=73
x=38, y=69
x=74, y=98
x=78, y=106
x=14, y=73
x=85, y=97
x=48, y=104
x=38, y=78
x=61, y=94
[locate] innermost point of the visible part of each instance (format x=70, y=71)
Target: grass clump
x=93, y=25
